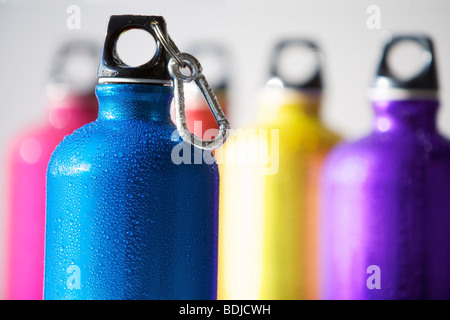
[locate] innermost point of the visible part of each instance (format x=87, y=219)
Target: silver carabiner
x=184, y=60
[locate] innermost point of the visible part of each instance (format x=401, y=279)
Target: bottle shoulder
x=387, y=142
x=388, y=153
x=298, y=132
x=135, y=131
x=35, y=143
x=131, y=145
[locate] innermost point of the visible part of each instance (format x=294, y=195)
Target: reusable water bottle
x=268, y=207
x=386, y=210
x=129, y=216
x=70, y=103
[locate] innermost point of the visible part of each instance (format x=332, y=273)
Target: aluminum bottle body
x=125, y=219
x=268, y=224
x=385, y=213
x=27, y=164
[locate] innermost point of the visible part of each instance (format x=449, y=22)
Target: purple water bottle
x=386, y=204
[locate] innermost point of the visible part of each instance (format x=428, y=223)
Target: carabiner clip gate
x=180, y=60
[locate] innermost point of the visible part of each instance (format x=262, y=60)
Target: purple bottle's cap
x=423, y=85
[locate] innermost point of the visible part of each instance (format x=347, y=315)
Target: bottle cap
x=423, y=85
x=219, y=56
x=71, y=69
x=165, y=68
x=314, y=81
x=113, y=70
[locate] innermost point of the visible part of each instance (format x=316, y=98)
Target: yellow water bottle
x=268, y=246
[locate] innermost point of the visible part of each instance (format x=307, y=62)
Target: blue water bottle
x=131, y=211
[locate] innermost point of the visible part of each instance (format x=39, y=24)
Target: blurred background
x=349, y=32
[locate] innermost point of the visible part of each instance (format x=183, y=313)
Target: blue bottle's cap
x=113, y=69
x=423, y=85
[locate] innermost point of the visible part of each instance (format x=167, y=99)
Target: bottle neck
x=405, y=115
x=71, y=111
x=276, y=101
x=134, y=101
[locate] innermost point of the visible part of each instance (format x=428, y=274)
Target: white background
x=31, y=30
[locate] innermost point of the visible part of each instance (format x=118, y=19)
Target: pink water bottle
x=70, y=103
